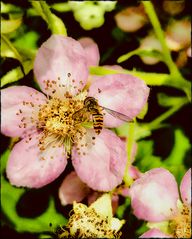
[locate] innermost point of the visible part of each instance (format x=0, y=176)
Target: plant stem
x=175, y=74
x=160, y=34
x=127, y=179
x=55, y=23
x=153, y=125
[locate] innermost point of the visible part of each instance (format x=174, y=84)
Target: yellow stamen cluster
x=54, y=119
x=180, y=226
x=85, y=222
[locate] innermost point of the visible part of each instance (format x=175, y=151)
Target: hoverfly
x=92, y=107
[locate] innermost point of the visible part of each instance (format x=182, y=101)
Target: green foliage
x=8, y=50
x=10, y=195
x=8, y=26
x=16, y=74
x=146, y=160
x=140, y=52
x=121, y=209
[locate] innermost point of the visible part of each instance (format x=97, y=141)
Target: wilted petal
x=91, y=51
x=102, y=167
x=29, y=167
x=123, y=93
x=131, y=19
x=72, y=189
x=154, y=233
x=185, y=188
x=154, y=195
x=13, y=110
x=150, y=43
x=173, y=7
x=61, y=58
x=178, y=34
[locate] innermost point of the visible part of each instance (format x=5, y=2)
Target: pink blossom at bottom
x=154, y=233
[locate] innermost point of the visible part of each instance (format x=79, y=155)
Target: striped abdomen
x=97, y=121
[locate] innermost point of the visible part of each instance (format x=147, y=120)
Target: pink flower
x=155, y=198
x=73, y=189
x=50, y=132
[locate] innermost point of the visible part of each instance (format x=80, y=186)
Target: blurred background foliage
x=162, y=130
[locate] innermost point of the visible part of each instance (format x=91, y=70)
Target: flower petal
x=61, y=62
x=103, y=206
x=123, y=93
x=131, y=19
x=154, y=195
x=185, y=188
x=72, y=189
x=14, y=109
x=154, y=233
x=102, y=167
x=91, y=50
x=29, y=167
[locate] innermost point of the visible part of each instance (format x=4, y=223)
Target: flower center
x=87, y=223
x=180, y=226
x=56, y=116
x=56, y=119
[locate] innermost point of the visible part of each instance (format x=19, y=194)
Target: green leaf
x=140, y=52
x=175, y=161
x=168, y=101
x=9, y=198
x=141, y=130
x=121, y=209
x=27, y=41
x=8, y=50
x=145, y=160
x=8, y=26
x=16, y=74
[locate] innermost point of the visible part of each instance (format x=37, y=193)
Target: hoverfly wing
x=118, y=115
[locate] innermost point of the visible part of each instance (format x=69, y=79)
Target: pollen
x=54, y=119
x=85, y=222
x=180, y=226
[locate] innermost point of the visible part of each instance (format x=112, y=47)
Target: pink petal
x=102, y=167
x=185, y=188
x=123, y=93
x=154, y=233
x=154, y=195
x=62, y=61
x=12, y=102
x=29, y=167
x=91, y=50
x=72, y=189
